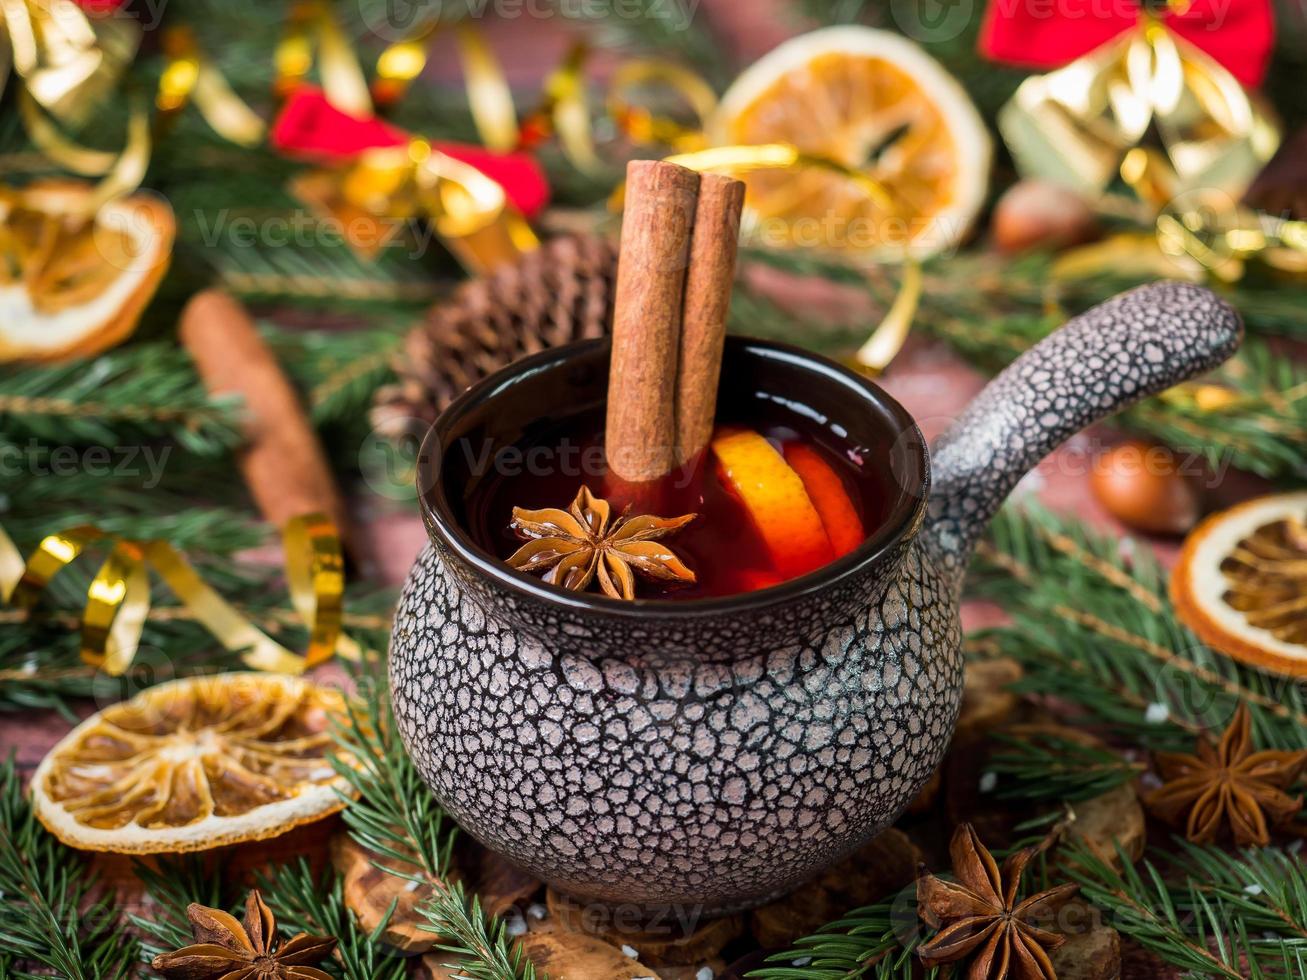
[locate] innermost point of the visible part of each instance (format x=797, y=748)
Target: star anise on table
x=978, y=916
x=574, y=547
x=1228, y=788
x=231, y=950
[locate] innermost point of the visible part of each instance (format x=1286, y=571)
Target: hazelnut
x=1041, y=214
x=1141, y=485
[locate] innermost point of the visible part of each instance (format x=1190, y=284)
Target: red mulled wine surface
x=723, y=547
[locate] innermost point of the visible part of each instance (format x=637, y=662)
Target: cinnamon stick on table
x=282, y=461
x=640, y=429
x=708, y=284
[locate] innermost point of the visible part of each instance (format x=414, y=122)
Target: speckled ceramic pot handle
x=1132, y=346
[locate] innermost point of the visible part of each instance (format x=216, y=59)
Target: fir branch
x=1045, y=766
x=873, y=942
x=1267, y=887
x=1095, y=629
x=304, y=903
x=1194, y=924
x=338, y=370
x=173, y=883
x=479, y=941
x=137, y=393
x=393, y=813
x=56, y=916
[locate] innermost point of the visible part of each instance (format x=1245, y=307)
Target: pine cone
x=560, y=293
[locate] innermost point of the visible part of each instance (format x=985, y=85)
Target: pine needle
x=1044, y=766
x=304, y=902
x=1093, y=627
x=1231, y=925
x=55, y=914
x=877, y=942
x=395, y=815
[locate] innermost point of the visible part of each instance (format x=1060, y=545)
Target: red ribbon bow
x=1239, y=34
x=310, y=126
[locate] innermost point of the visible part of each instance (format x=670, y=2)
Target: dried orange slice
x=873, y=102
x=72, y=287
x=1241, y=583
x=193, y=764
x=775, y=498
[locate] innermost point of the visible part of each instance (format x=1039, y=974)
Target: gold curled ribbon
x=118, y=598
x=888, y=337
x=1199, y=234
x=645, y=127
x=66, y=60
x=1082, y=124
x=469, y=210
x=489, y=97
x=191, y=76
x=312, y=31
x=1221, y=236
x=121, y=172
x=565, y=112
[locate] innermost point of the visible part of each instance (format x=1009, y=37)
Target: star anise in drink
x=979, y=918
x=583, y=544
x=251, y=950
x=1228, y=788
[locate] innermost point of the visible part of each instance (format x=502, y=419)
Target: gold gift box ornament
x=1173, y=122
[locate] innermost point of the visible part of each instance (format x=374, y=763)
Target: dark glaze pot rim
x=903, y=522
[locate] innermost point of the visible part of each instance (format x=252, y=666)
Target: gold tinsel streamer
x=190, y=76
x=118, y=599
x=65, y=62
x=1083, y=124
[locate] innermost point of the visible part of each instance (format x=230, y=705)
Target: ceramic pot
x=715, y=753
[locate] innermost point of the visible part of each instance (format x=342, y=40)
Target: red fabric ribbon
x=1239, y=34
x=310, y=126
x=97, y=7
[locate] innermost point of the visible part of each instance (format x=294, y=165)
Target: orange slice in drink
x=827, y=492
x=873, y=102
x=775, y=498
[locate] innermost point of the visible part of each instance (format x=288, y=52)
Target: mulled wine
x=774, y=496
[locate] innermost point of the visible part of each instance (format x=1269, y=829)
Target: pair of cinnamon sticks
x=675, y=270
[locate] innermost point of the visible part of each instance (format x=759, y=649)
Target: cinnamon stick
x=708, y=283
x=282, y=461
x=640, y=432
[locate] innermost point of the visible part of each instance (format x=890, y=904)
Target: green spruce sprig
x=305, y=902
x=1046, y=766
x=173, y=883
x=870, y=942
x=1215, y=928
x=393, y=813
x=57, y=918
x=138, y=393
x=1093, y=627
